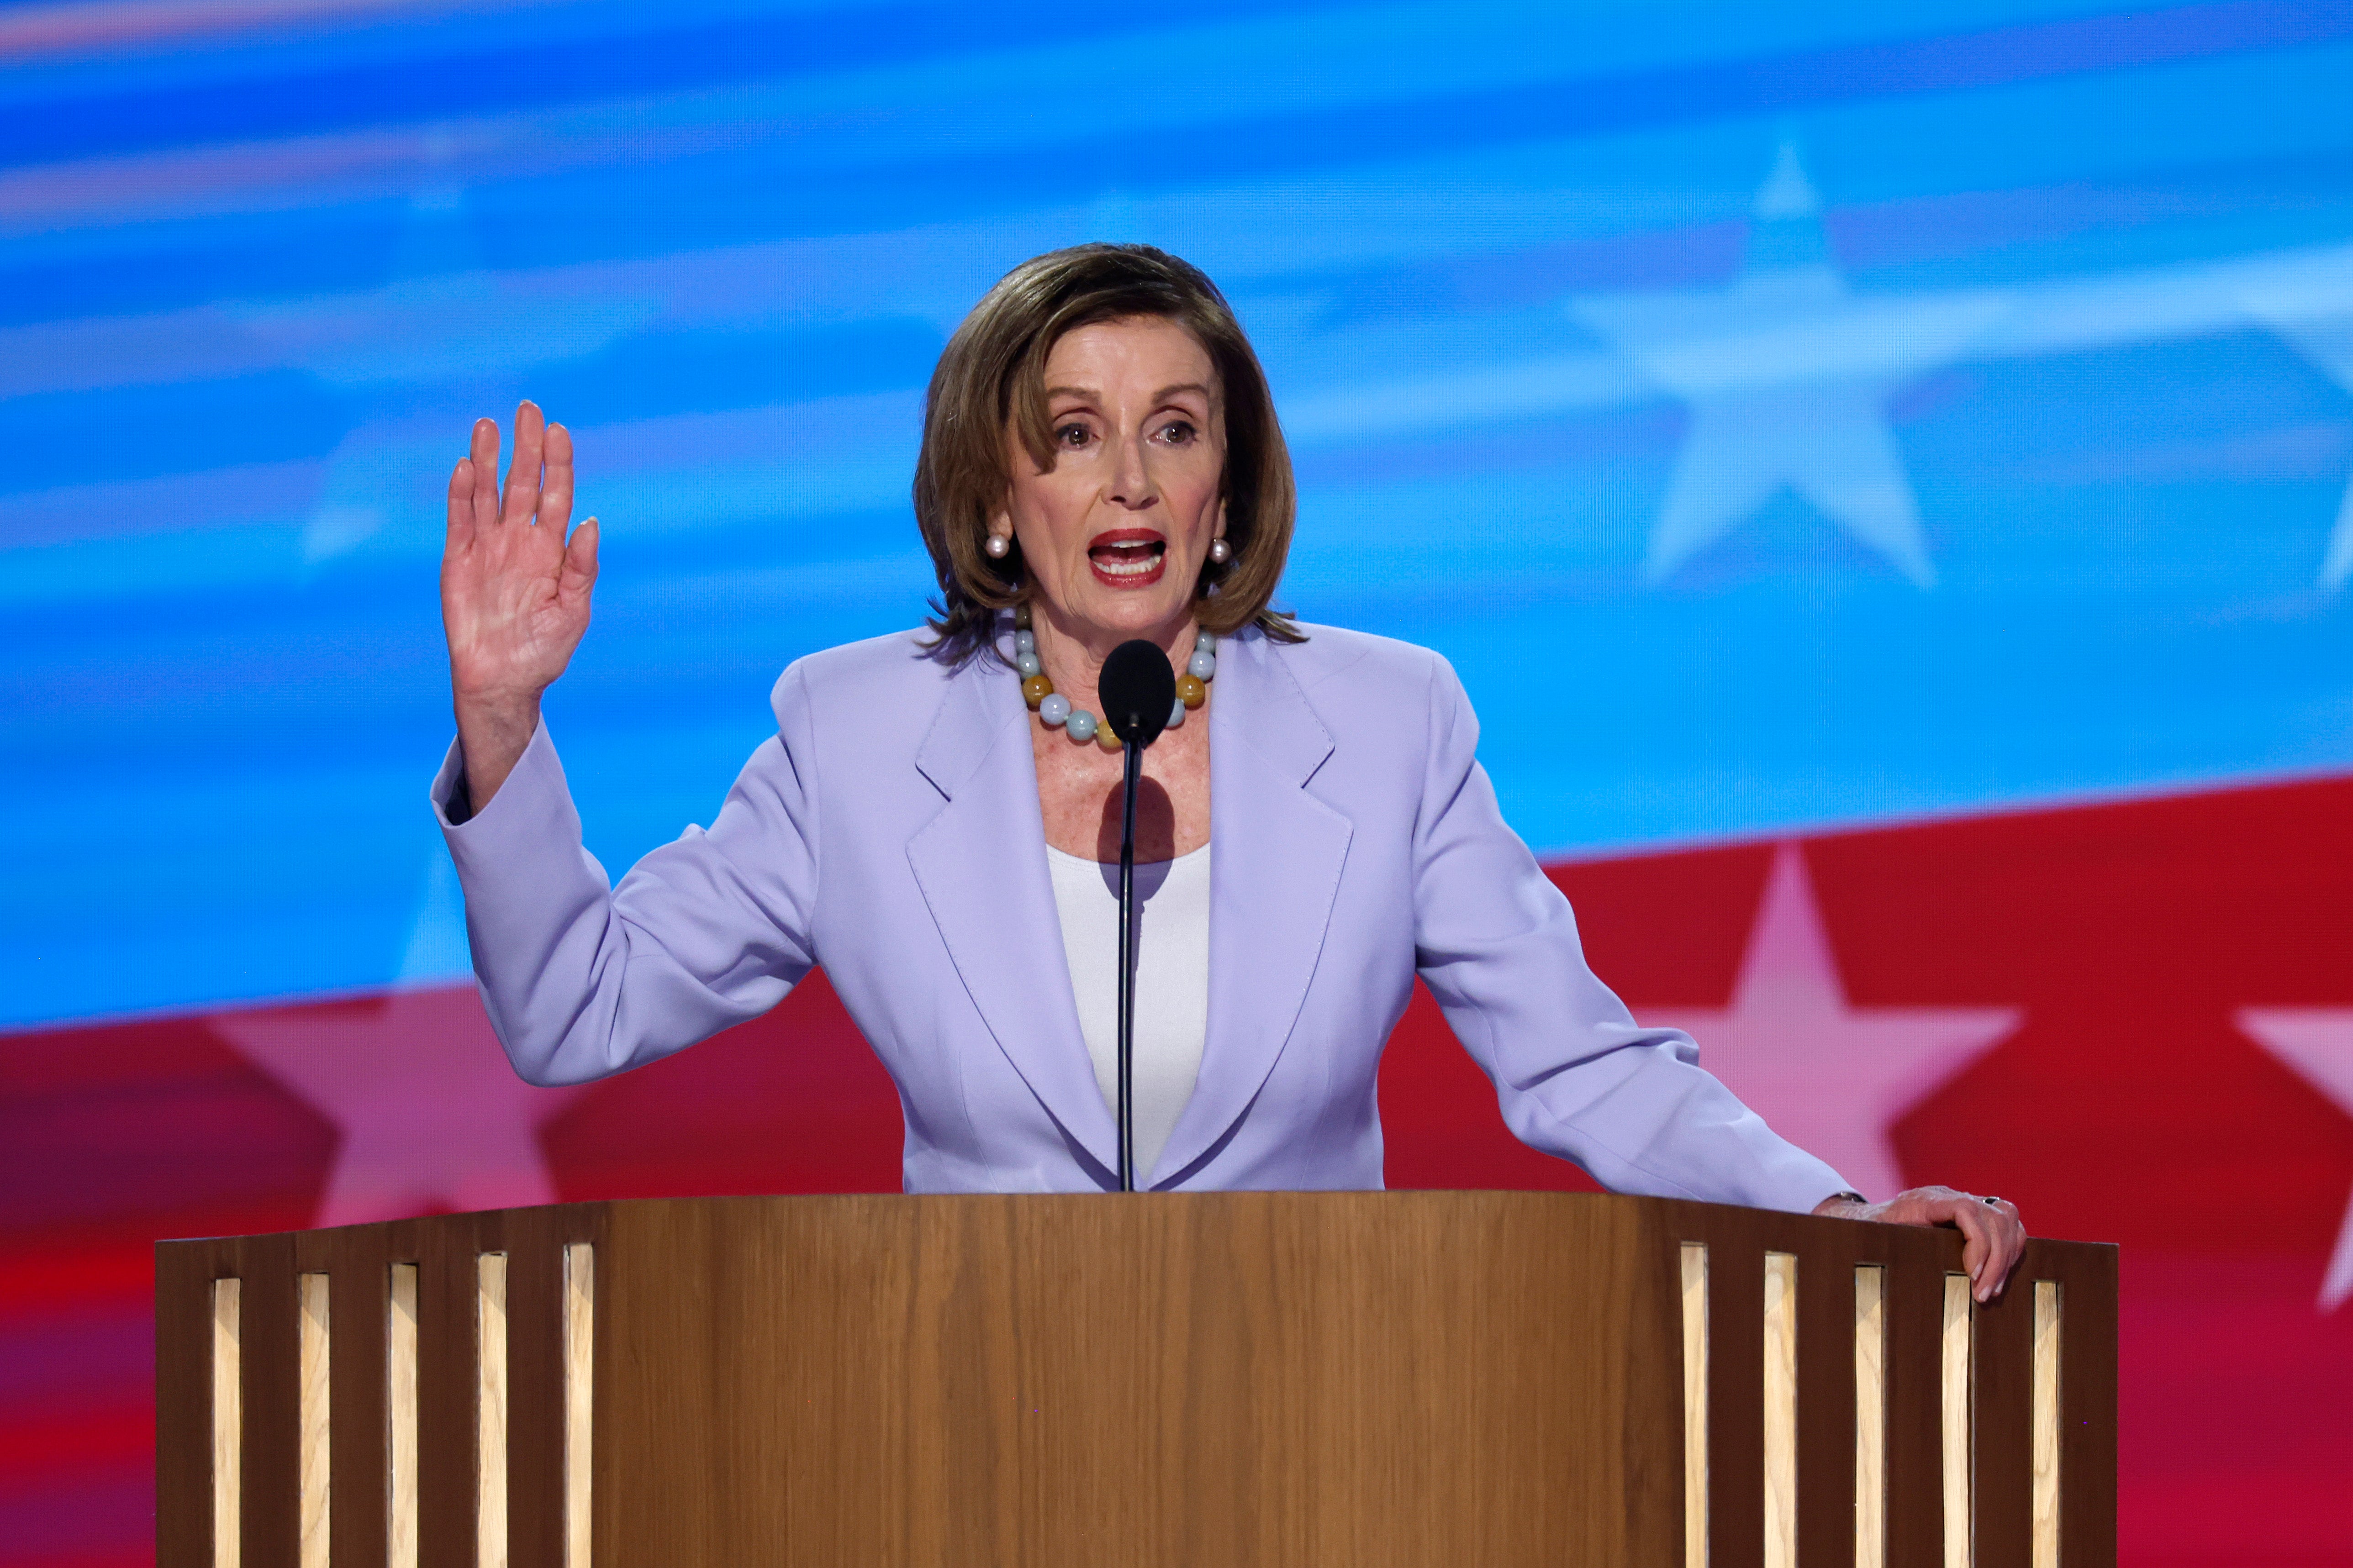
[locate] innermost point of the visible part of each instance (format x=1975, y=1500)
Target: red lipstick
x=1128, y=557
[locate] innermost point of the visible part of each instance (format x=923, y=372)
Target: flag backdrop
x=1881, y=471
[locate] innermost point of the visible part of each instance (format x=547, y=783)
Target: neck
x=1073, y=651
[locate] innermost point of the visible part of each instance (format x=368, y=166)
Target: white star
x=1787, y=375
x=2317, y=1044
x=1830, y=1078
x=430, y=1113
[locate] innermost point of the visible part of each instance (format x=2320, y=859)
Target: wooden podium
x=1220, y=1379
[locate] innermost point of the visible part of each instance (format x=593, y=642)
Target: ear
x=1220, y=531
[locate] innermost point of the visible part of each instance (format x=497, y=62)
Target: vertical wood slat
x=2001, y=1425
x=228, y=1424
x=1826, y=1413
x=448, y=1398
x=1870, y=1416
x=579, y=1396
x=184, y=1404
x=1780, y=1401
x=490, y=1411
x=400, y=1416
x=315, y=1336
x=2047, y=1478
x=536, y=1377
x=1694, y=1301
x=271, y=1339
x=1914, y=1307
x=2087, y=1403
x=353, y=1257
x=1736, y=1401
x=1956, y=1448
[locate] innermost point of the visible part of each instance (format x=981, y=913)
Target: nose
x=1131, y=477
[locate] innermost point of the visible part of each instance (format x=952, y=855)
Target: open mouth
x=1128, y=557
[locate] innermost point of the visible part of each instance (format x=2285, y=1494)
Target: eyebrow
x=1163, y=395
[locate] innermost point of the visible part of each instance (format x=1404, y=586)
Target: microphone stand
x=1132, y=757
x=1138, y=692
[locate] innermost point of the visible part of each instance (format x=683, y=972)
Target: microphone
x=1138, y=690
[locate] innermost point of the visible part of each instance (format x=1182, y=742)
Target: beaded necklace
x=1054, y=710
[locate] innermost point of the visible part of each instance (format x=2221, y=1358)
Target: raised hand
x=514, y=590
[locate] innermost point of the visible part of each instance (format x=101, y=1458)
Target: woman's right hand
x=514, y=590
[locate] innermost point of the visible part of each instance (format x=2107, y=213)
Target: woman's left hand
x=1996, y=1237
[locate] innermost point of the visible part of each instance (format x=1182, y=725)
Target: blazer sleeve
x=581, y=979
x=1575, y=1075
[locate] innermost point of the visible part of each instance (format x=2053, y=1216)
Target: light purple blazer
x=891, y=832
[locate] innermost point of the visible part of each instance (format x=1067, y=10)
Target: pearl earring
x=1220, y=551
x=999, y=546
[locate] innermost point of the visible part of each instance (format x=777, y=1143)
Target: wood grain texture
x=316, y=1329
x=491, y=1410
x=1694, y=1316
x=1780, y=1399
x=227, y=1423
x=2048, y=1299
x=270, y=1396
x=184, y=1406
x=445, y=1249
x=2087, y=1397
x=534, y=1462
x=400, y=1415
x=1826, y=1414
x=579, y=1398
x=1736, y=1460
x=1959, y=1452
x=2002, y=1431
x=1915, y=1482
x=354, y=1260
x=1238, y=1378
x=1870, y=1416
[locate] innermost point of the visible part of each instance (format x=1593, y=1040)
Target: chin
x=1135, y=613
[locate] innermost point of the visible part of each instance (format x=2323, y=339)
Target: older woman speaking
x=1101, y=462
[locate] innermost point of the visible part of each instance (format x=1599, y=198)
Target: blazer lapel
x=1275, y=857
x=981, y=864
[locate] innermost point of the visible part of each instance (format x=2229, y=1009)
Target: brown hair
x=994, y=371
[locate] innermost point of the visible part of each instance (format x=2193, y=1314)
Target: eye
x=1178, y=432
x=1074, y=434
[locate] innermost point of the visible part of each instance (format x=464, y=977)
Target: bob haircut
x=993, y=374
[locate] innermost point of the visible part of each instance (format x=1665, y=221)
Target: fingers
x=461, y=507
x=579, y=574
x=1973, y=1218
x=1997, y=1241
x=484, y=460
x=522, y=499
x=555, y=485
x=1993, y=1237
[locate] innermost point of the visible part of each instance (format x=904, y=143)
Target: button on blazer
x=891, y=832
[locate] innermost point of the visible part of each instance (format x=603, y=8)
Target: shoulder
x=1375, y=697
x=1335, y=662
x=887, y=674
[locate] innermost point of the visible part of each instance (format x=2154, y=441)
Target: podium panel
x=1241, y=1378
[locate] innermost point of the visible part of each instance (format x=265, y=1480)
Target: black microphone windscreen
x=1138, y=690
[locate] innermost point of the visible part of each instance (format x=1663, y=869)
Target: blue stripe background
x=253, y=285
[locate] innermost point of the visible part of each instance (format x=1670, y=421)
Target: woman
x=1101, y=462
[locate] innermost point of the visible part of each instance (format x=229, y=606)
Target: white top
x=1172, y=981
